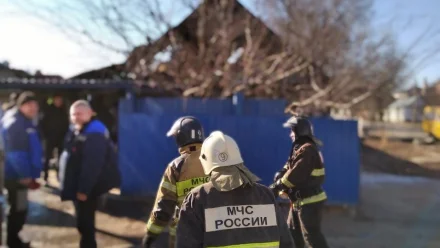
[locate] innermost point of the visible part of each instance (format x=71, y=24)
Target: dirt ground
x=401, y=158
x=398, y=212
x=399, y=208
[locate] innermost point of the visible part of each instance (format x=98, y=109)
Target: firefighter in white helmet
x=231, y=209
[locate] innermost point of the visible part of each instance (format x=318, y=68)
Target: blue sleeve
x=35, y=154
x=93, y=158
x=17, y=150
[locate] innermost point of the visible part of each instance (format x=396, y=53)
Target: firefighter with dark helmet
x=301, y=179
x=181, y=175
x=232, y=209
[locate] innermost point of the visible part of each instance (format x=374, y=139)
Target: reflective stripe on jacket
x=244, y=217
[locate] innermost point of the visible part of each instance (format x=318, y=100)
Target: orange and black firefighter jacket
x=182, y=174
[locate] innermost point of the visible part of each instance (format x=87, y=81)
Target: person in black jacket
x=88, y=168
x=54, y=125
x=301, y=179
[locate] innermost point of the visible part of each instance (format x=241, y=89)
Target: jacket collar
x=301, y=141
x=227, y=178
x=19, y=114
x=84, y=127
x=190, y=148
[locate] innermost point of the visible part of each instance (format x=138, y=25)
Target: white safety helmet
x=219, y=150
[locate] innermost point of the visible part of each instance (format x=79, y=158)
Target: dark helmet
x=187, y=130
x=302, y=127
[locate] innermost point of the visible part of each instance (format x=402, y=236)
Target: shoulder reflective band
x=318, y=172
x=275, y=244
x=313, y=199
x=243, y=216
x=286, y=182
x=321, y=157
x=169, y=186
x=151, y=227
x=184, y=187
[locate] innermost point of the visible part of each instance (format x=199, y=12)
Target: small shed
x=103, y=94
x=409, y=109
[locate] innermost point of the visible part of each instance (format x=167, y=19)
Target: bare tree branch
x=315, y=55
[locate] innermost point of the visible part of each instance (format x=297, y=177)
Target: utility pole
x=2, y=183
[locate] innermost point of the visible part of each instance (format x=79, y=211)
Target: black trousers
x=50, y=146
x=18, y=202
x=305, y=226
x=85, y=222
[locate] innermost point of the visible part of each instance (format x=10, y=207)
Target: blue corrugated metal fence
x=256, y=125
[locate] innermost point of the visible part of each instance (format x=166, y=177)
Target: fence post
x=2, y=197
x=238, y=102
x=127, y=104
x=129, y=94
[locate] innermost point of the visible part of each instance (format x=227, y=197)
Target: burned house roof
x=186, y=32
x=145, y=55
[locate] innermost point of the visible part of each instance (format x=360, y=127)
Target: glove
x=34, y=185
x=279, y=174
x=277, y=187
x=148, y=241
x=274, y=189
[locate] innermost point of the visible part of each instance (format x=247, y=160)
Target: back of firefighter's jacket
x=244, y=217
x=182, y=174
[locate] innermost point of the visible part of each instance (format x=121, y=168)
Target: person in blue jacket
x=23, y=162
x=8, y=109
x=88, y=168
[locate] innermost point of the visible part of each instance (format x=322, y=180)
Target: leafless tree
x=348, y=61
x=317, y=53
x=115, y=25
